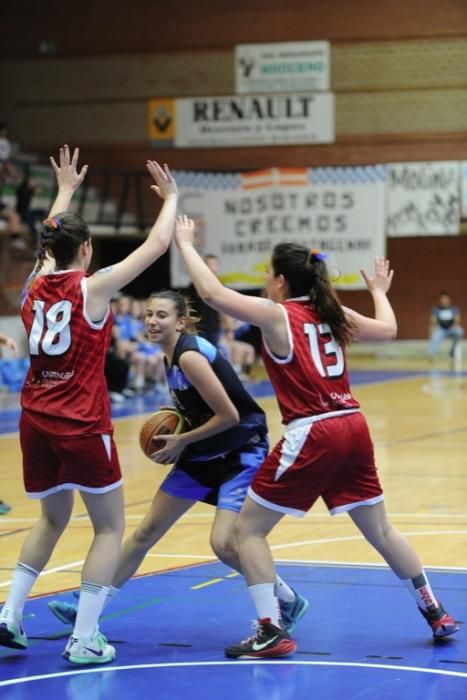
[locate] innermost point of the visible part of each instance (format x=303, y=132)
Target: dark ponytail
x=306, y=274
x=62, y=235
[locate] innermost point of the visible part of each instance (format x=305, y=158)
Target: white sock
x=421, y=590
x=139, y=381
x=91, y=602
x=266, y=602
x=284, y=592
x=23, y=580
x=111, y=593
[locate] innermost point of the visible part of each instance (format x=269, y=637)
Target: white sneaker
x=12, y=634
x=94, y=651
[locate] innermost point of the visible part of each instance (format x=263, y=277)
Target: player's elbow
x=232, y=417
x=391, y=331
x=209, y=296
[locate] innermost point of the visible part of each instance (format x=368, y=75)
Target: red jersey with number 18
x=313, y=379
x=65, y=391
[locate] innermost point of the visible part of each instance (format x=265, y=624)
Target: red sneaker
x=440, y=622
x=268, y=642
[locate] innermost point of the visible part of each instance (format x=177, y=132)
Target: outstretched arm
x=256, y=310
x=68, y=178
x=384, y=325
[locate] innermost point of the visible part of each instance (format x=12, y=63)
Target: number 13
x=332, y=347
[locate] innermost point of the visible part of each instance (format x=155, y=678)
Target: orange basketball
x=165, y=422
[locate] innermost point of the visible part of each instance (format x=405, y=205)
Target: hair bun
x=316, y=255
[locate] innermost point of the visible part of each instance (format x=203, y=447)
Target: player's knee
x=224, y=548
x=146, y=535
x=54, y=522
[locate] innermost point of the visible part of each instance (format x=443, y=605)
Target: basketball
x=165, y=422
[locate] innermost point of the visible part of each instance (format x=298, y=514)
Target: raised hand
x=66, y=172
x=165, y=183
x=382, y=277
x=184, y=230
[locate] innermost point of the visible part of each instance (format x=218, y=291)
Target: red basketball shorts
x=328, y=457
x=53, y=463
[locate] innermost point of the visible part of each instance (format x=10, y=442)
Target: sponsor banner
x=423, y=199
x=464, y=189
x=241, y=216
x=282, y=67
x=161, y=121
x=255, y=120
x=206, y=122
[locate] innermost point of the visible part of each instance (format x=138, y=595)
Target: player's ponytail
x=306, y=274
x=60, y=238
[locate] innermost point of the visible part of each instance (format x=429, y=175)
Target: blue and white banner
x=423, y=199
x=241, y=216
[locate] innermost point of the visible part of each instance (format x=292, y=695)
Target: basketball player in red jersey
x=326, y=450
x=65, y=427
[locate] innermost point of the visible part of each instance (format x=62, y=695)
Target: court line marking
x=210, y=514
x=234, y=664
x=207, y=583
x=274, y=548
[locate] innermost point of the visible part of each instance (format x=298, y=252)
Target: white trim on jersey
x=292, y=444
x=106, y=439
x=299, y=422
x=73, y=487
x=350, y=506
x=100, y=324
x=273, y=506
x=281, y=360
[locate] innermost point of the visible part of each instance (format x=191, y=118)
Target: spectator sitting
x=209, y=325
x=8, y=173
x=11, y=345
x=445, y=323
x=116, y=370
x=240, y=354
x=24, y=194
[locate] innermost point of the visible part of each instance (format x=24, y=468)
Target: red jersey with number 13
x=313, y=379
x=65, y=391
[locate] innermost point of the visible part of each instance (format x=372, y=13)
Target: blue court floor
x=361, y=638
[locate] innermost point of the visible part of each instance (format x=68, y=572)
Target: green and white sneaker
x=12, y=635
x=93, y=651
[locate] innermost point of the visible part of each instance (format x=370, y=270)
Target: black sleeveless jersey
x=187, y=400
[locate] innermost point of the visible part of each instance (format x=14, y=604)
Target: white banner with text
x=241, y=216
x=423, y=199
x=298, y=66
x=246, y=120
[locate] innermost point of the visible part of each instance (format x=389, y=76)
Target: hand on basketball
x=67, y=171
x=165, y=183
x=173, y=448
x=184, y=231
x=382, y=278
